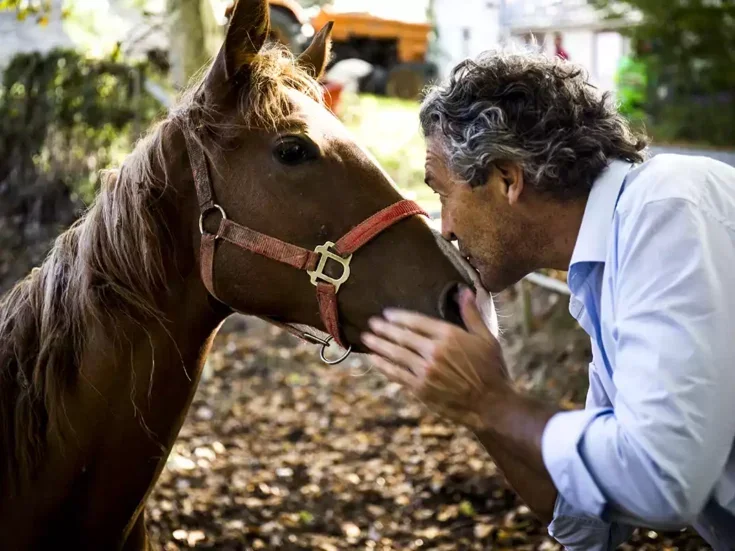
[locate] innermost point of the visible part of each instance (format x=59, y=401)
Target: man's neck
x=560, y=222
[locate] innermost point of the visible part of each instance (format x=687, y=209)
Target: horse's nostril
x=449, y=305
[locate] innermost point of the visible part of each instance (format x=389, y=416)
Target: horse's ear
x=316, y=57
x=247, y=32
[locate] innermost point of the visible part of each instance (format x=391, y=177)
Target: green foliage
x=64, y=118
x=692, y=82
x=389, y=129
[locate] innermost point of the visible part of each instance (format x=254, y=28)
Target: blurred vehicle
x=396, y=50
x=291, y=27
x=289, y=24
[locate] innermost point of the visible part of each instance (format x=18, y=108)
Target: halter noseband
x=313, y=262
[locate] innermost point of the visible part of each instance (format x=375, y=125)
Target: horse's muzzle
x=449, y=305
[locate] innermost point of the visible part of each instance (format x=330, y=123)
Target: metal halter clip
x=325, y=344
x=324, y=255
x=323, y=355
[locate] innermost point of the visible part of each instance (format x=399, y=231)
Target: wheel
x=375, y=82
x=408, y=80
x=404, y=82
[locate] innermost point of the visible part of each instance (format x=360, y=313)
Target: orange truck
x=395, y=49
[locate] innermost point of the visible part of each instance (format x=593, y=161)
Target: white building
x=588, y=38
x=470, y=27
x=465, y=28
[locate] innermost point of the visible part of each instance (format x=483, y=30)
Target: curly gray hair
x=537, y=111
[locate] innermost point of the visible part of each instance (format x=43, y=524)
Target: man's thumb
x=471, y=314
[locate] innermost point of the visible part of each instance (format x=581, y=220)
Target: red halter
x=313, y=262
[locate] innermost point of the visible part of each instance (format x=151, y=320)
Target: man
x=535, y=169
x=560, y=52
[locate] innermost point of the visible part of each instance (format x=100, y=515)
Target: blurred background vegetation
x=82, y=80
x=687, y=49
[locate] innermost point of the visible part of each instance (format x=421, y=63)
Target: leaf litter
x=279, y=451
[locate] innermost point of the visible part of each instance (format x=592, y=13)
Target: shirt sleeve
x=655, y=457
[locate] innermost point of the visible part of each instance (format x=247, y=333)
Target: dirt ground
x=281, y=452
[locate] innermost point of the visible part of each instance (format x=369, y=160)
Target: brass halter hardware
x=324, y=255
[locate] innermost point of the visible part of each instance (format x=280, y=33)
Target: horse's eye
x=292, y=151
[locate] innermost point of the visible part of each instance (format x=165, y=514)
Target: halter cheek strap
x=313, y=262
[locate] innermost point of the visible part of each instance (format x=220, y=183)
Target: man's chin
x=494, y=282
x=489, y=281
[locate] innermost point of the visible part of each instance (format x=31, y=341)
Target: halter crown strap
x=376, y=224
x=313, y=262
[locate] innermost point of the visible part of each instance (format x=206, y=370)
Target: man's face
x=489, y=225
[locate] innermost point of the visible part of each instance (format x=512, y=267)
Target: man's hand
x=456, y=373
x=461, y=375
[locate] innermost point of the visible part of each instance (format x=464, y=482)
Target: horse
x=248, y=196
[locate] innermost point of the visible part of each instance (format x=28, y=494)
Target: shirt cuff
x=560, y=449
x=577, y=532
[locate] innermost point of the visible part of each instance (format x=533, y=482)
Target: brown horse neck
x=113, y=421
x=150, y=376
x=162, y=356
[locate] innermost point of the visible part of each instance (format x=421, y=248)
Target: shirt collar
x=591, y=245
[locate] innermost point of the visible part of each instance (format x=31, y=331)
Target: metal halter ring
x=204, y=213
x=323, y=356
x=325, y=344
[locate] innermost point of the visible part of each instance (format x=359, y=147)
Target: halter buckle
x=318, y=273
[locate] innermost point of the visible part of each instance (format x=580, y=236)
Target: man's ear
x=247, y=31
x=316, y=57
x=509, y=177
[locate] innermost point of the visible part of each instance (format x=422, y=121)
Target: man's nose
x=447, y=230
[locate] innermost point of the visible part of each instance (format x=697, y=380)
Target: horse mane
x=108, y=267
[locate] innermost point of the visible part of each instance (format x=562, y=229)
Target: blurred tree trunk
x=195, y=38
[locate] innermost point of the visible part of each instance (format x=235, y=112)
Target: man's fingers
x=471, y=315
x=393, y=352
x=418, y=323
x=394, y=373
x=402, y=336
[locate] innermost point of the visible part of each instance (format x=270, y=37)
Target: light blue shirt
x=652, y=278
